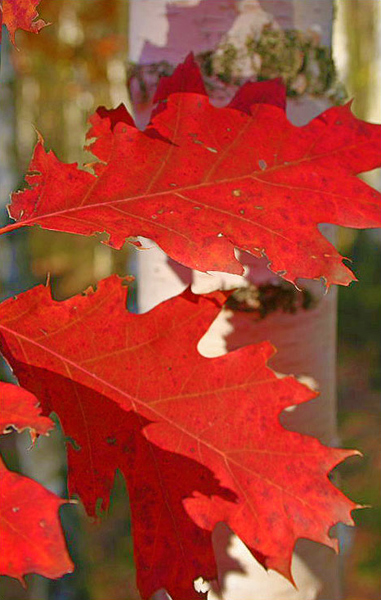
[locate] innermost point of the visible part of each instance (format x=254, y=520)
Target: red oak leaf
x=270, y=485
x=202, y=180
x=21, y=14
x=19, y=410
x=31, y=536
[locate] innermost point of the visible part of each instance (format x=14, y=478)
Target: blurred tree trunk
x=359, y=59
x=7, y=155
x=166, y=31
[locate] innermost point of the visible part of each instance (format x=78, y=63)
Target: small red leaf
x=271, y=92
x=22, y=14
x=31, y=536
x=114, y=377
x=185, y=78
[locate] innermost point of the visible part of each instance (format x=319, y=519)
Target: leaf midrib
x=257, y=175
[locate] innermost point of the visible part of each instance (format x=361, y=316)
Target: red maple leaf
x=202, y=180
x=31, y=536
x=21, y=14
x=130, y=389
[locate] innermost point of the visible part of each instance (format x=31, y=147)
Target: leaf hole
x=201, y=585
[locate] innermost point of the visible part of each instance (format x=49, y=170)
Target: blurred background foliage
x=52, y=84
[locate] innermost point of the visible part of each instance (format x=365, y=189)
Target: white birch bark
x=305, y=340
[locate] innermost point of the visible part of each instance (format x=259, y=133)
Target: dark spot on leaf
x=262, y=164
x=73, y=443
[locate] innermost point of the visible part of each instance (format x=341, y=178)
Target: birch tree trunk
x=167, y=31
